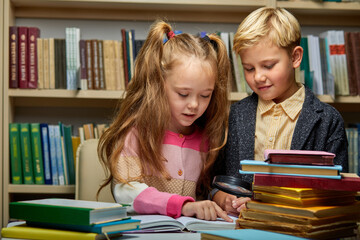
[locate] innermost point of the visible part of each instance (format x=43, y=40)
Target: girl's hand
x=207, y=210
x=230, y=203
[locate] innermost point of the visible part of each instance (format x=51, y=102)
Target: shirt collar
x=290, y=106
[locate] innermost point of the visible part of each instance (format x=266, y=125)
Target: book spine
x=26, y=153
x=33, y=35
x=101, y=64
x=52, y=63
x=95, y=63
x=59, y=156
x=83, y=70
x=67, y=130
x=23, y=62
x=37, y=158
x=89, y=65
x=124, y=55
x=64, y=155
x=40, y=62
x=15, y=154
x=13, y=57
x=53, y=161
x=46, y=152
x=46, y=63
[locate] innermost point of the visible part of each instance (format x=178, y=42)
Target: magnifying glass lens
x=233, y=185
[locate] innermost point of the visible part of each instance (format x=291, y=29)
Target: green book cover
x=26, y=153
x=15, y=154
x=66, y=211
x=36, y=150
x=69, y=153
x=305, y=65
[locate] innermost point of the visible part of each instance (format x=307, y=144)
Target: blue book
x=46, y=152
x=59, y=155
x=107, y=227
x=53, y=161
x=252, y=234
x=252, y=167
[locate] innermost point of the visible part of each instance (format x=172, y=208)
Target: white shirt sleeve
x=126, y=193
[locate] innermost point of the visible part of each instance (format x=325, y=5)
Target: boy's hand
x=230, y=203
x=207, y=210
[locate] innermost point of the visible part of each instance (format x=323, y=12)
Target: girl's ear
x=297, y=56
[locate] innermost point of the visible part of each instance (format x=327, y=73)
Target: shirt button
x=181, y=136
x=180, y=172
x=276, y=118
x=270, y=139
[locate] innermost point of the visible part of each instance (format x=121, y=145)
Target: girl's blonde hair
x=146, y=107
x=279, y=26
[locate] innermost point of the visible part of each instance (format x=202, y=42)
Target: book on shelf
x=299, y=157
x=240, y=234
x=15, y=154
x=46, y=63
x=26, y=155
x=26, y=232
x=36, y=150
x=313, y=212
x=112, y=227
x=101, y=65
x=89, y=70
x=72, y=38
x=315, y=64
x=66, y=211
x=125, y=56
x=53, y=157
x=23, y=57
x=162, y=223
x=347, y=182
x=95, y=63
x=46, y=152
x=13, y=57
x=83, y=67
x=40, y=62
x=66, y=131
x=52, y=84
x=33, y=35
x=252, y=167
x=60, y=163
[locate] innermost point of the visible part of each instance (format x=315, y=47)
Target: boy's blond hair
x=279, y=26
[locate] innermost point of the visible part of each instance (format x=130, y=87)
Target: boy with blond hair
x=281, y=113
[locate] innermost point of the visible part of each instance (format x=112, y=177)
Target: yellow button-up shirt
x=275, y=123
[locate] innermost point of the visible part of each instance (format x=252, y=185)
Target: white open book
x=161, y=223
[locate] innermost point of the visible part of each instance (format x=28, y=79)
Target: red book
x=303, y=157
x=33, y=35
x=13, y=57
x=346, y=183
x=23, y=68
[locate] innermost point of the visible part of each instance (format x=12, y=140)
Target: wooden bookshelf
x=309, y=13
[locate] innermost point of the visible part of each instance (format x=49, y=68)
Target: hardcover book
x=15, y=154
x=240, y=234
x=36, y=150
x=23, y=57
x=108, y=227
x=26, y=232
x=33, y=35
x=26, y=155
x=13, y=57
x=67, y=211
x=299, y=157
x=252, y=167
x=46, y=152
x=346, y=183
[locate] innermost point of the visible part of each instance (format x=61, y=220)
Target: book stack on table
x=301, y=193
x=58, y=219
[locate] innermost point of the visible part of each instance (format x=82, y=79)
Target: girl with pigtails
x=163, y=142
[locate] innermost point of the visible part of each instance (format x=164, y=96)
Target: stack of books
x=57, y=218
x=301, y=193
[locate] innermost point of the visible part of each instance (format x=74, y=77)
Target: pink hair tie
x=170, y=34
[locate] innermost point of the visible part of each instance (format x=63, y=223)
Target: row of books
x=42, y=153
x=352, y=134
x=330, y=63
x=71, y=63
x=313, y=206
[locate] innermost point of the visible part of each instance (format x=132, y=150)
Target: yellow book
x=304, y=202
x=25, y=232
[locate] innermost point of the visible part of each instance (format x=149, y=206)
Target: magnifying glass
x=233, y=185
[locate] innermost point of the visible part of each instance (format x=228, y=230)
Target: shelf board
x=53, y=189
x=63, y=93
x=141, y=10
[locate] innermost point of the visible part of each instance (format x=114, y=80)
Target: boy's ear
x=297, y=56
